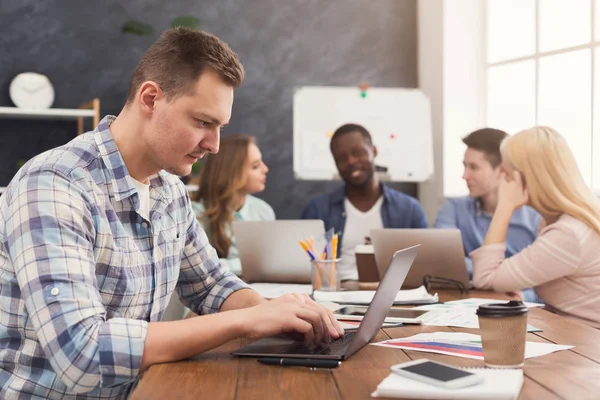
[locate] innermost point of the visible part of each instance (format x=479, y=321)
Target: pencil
x=311, y=242
x=334, y=244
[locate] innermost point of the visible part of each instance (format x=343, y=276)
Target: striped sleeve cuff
x=121, y=345
x=227, y=285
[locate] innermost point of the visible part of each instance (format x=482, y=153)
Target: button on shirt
x=82, y=272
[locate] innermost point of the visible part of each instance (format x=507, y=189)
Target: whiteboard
x=399, y=121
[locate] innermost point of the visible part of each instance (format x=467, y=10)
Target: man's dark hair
x=488, y=141
x=178, y=58
x=349, y=128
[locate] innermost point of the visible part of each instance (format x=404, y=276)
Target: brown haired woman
x=227, y=181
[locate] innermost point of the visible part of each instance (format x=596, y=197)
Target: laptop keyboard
x=337, y=346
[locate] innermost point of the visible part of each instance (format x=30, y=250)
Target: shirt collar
x=239, y=214
x=478, y=208
x=339, y=195
x=120, y=180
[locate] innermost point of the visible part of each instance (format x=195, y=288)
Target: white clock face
x=31, y=90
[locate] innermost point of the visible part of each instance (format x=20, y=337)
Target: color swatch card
x=459, y=344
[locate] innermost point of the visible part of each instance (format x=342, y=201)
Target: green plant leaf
x=19, y=164
x=187, y=21
x=137, y=28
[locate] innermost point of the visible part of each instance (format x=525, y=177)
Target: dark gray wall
x=282, y=44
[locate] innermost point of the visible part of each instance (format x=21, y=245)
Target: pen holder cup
x=324, y=275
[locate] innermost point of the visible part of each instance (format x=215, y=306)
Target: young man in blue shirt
x=363, y=203
x=472, y=214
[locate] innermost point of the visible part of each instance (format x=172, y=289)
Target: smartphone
x=437, y=374
x=394, y=315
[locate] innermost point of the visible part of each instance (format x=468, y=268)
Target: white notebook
x=498, y=384
x=411, y=296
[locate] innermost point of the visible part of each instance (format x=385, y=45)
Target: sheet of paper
x=441, y=306
x=459, y=318
x=273, y=290
x=497, y=384
x=455, y=318
x=476, y=302
x=412, y=296
x=460, y=344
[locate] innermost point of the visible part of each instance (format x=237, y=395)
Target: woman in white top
x=227, y=181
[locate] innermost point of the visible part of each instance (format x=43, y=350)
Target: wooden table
x=570, y=374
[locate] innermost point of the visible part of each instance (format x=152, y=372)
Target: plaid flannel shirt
x=82, y=272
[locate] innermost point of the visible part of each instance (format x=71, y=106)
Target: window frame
x=593, y=45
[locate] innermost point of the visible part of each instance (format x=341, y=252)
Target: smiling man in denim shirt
x=363, y=203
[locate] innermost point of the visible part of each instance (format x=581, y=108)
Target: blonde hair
x=551, y=175
x=221, y=179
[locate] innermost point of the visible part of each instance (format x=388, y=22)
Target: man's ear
x=374, y=151
x=498, y=170
x=148, y=94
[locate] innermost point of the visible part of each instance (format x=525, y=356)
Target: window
x=543, y=68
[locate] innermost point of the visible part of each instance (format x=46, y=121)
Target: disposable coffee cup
x=365, y=263
x=503, y=329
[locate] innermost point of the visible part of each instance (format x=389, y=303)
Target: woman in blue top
x=227, y=181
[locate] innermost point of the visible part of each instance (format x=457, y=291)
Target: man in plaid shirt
x=96, y=235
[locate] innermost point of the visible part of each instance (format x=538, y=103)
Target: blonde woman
x=227, y=181
x=563, y=263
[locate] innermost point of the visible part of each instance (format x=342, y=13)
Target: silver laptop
x=351, y=342
x=270, y=252
x=441, y=256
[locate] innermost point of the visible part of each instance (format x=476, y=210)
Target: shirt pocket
x=125, y=284
x=171, y=244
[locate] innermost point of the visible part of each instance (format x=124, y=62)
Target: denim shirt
x=397, y=211
x=465, y=213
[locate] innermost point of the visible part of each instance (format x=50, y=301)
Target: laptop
x=441, y=255
x=269, y=250
x=351, y=342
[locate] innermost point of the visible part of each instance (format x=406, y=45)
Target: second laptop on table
x=441, y=257
x=269, y=250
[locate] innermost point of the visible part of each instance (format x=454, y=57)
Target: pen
x=299, y=362
x=305, y=247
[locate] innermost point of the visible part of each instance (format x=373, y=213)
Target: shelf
x=48, y=113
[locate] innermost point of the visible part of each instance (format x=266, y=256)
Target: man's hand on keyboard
x=292, y=313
